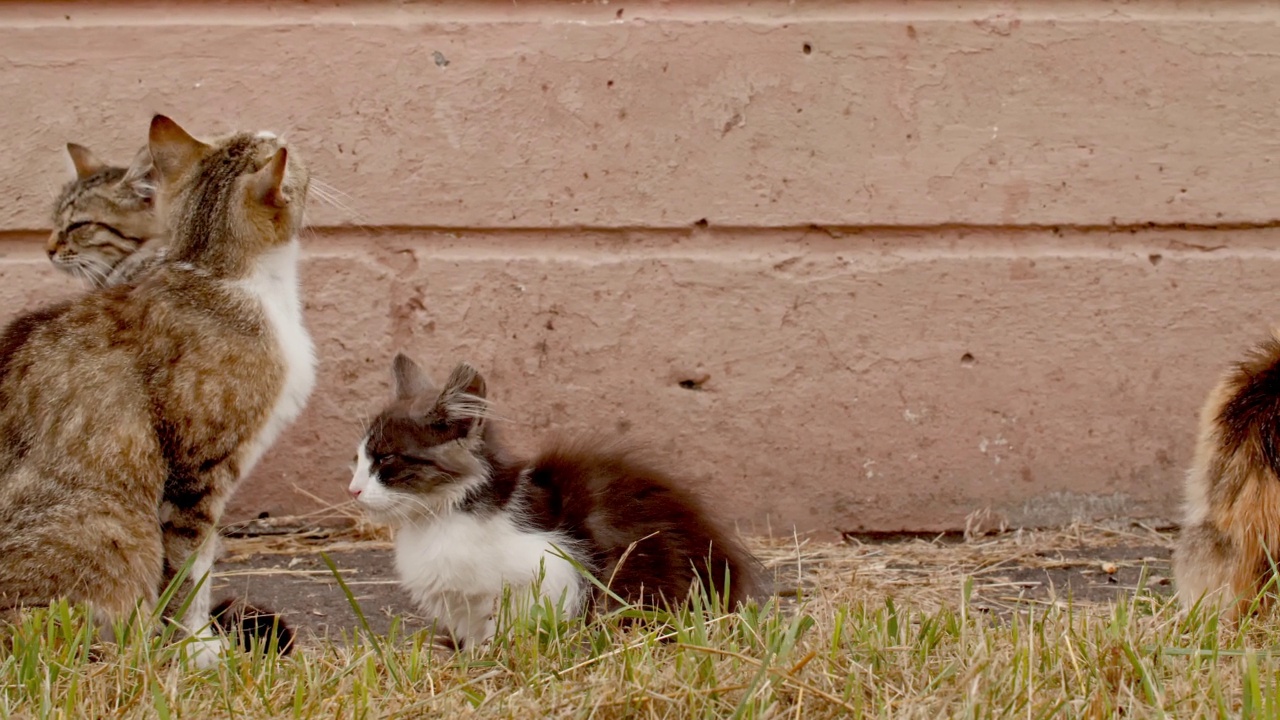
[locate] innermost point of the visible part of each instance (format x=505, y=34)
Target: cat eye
x=376, y=459
x=73, y=227
x=419, y=460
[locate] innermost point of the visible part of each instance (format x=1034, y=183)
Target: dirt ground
x=282, y=567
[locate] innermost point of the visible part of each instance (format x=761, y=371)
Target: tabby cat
x=106, y=228
x=108, y=233
x=472, y=520
x=128, y=415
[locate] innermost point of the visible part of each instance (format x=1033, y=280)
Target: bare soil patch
x=1084, y=565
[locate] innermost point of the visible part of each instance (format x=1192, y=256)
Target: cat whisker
x=327, y=196
x=98, y=264
x=391, y=515
x=331, y=188
x=406, y=503
x=315, y=190
x=102, y=268
x=464, y=407
x=88, y=269
x=336, y=199
x=319, y=190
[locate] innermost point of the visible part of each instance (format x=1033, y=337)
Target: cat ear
x=83, y=160
x=465, y=379
x=172, y=149
x=266, y=182
x=140, y=178
x=463, y=397
x=409, y=380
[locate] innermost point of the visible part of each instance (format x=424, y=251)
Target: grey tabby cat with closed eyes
x=105, y=227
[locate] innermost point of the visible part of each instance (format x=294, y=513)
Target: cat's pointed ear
x=173, y=150
x=266, y=183
x=140, y=178
x=465, y=380
x=83, y=160
x=409, y=380
x=463, y=397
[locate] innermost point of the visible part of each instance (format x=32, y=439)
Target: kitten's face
x=102, y=216
x=424, y=452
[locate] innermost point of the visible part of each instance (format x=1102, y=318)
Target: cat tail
x=234, y=617
x=1231, y=530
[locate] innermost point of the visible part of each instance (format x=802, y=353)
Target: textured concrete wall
x=917, y=259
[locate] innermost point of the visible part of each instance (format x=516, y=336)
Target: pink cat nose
x=355, y=494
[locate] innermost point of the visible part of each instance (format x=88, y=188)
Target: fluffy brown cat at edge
x=170, y=389
x=1230, y=534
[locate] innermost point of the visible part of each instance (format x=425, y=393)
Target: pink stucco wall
x=925, y=258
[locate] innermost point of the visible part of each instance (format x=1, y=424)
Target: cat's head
x=103, y=215
x=229, y=199
x=427, y=449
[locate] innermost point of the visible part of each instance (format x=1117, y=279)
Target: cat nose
x=355, y=494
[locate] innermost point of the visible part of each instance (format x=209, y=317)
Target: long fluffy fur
x=1231, y=530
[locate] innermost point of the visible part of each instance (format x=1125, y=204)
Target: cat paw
x=204, y=653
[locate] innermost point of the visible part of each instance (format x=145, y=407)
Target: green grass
x=883, y=658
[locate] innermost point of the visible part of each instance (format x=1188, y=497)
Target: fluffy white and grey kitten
x=471, y=521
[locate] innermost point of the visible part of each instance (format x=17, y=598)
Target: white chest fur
x=456, y=565
x=274, y=284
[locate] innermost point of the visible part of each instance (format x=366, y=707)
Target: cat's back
x=109, y=354
x=618, y=503
x=600, y=485
x=99, y=337
x=68, y=374
x=81, y=344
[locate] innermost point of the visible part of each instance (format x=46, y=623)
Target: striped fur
x=106, y=229
x=128, y=415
